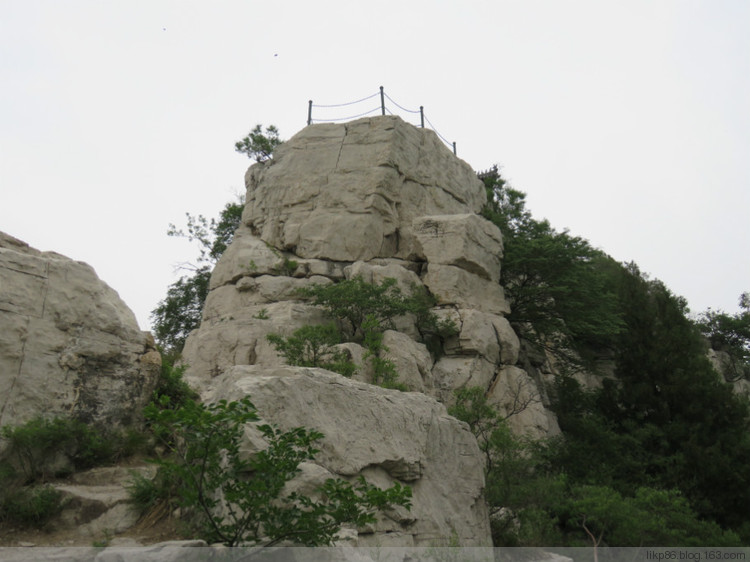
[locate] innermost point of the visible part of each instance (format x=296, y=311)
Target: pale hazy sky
x=627, y=122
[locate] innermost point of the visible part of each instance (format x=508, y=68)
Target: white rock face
x=385, y=435
x=349, y=192
x=376, y=199
x=69, y=346
x=466, y=241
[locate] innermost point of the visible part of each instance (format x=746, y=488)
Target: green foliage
x=179, y=313
x=518, y=490
x=354, y=300
x=238, y=499
x=664, y=415
x=314, y=346
x=42, y=448
x=30, y=506
x=148, y=493
x=213, y=236
x=365, y=310
x=384, y=370
x=598, y=515
x=259, y=145
x=730, y=334
x=287, y=267
x=171, y=390
x=558, y=286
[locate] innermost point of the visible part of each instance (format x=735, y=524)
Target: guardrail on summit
x=382, y=107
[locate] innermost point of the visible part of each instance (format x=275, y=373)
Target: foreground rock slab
x=384, y=435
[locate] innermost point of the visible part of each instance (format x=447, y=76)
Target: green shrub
x=171, y=390
x=366, y=310
x=207, y=465
x=31, y=506
x=146, y=493
x=43, y=448
x=384, y=370
x=354, y=300
x=313, y=346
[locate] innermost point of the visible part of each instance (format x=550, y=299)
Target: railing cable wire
x=347, y=103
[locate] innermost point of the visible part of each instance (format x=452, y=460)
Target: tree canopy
x=259, y=145
x=558, y=286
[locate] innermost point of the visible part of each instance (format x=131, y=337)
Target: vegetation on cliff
x=665, y=430
x=657, y=455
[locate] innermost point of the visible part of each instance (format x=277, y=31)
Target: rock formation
x=69, y=346
x=375, y=198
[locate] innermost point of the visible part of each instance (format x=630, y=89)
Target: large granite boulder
x=384, y=435
x=69, y=346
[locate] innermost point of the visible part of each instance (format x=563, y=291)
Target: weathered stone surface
x=247, y=255
x=68, y=344
x=385, y=435
x=412, y=360
x=379, y=199
x=236, y=335
x=349, y=192
x=467, y=241
x=516, y=396
x=97, y=501
x=452, y=373
x=487, y=335
x=406, y=279
x=453, y=285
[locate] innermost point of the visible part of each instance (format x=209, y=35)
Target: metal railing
x=383, y=108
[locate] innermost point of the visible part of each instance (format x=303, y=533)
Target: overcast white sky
x=627, y=122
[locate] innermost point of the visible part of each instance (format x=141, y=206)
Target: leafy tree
x=259, y=145
x=663, y=415
x=558, y=286
x=239, y=499
x=181, y=310
x=518, y=490
x=730, y=334
x=179, y=313
x=314, y=346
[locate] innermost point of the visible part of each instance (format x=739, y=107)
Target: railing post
x=309, y=112
x=454, y=148
x=421, y=115
x=382, y=100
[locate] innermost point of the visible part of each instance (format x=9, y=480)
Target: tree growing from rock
x=179, y=313
x=259, y=145
x=730, y=333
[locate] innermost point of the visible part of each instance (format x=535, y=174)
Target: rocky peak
x=349, y=192
x=375, y=198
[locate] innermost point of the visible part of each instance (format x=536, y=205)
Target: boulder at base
x=384, y=435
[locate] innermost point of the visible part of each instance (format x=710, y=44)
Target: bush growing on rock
x=314, y=346
x=44, y=448
x=239, y=499
x=365, y=310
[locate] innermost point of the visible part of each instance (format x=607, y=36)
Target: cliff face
x=69, y=346
x=375, y=198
